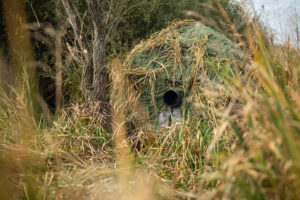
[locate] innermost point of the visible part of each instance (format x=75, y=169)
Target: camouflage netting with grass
x=187, y=57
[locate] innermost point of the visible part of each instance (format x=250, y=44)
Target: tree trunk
x=94, y=80
x=99, y=91
x=100, y=76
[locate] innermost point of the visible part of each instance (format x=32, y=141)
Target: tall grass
x=250, y=154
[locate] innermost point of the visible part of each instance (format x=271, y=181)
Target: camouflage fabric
x=181, y=57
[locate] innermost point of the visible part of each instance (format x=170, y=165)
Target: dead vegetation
x=250, y=152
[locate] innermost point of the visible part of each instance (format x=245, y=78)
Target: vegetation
x=249, y=152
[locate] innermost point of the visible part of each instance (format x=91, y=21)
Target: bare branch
x=105, y=16
x=72, y=19
x=87, y=68
x=118, y=17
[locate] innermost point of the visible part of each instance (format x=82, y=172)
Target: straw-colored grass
x=249, y=152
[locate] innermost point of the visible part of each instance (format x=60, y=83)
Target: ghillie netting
x=186, y=57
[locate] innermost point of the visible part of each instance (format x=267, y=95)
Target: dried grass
x=250, y=152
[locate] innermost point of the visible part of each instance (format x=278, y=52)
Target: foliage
x=3, y=40
x=252, y=154
x=152, y=16
x=146, y=18
x=247, y=153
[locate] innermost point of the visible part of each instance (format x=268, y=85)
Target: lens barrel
x=172, y=98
